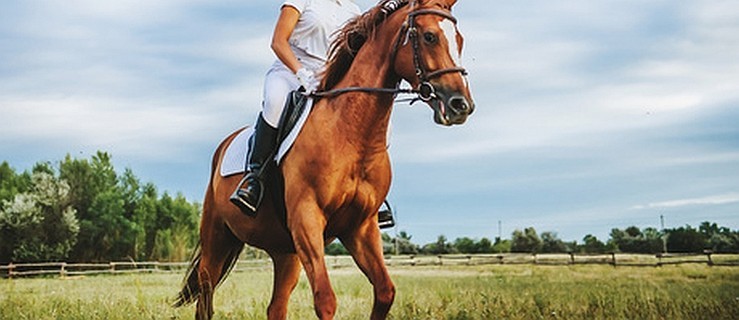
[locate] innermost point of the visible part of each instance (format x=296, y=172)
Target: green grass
x=479, y=292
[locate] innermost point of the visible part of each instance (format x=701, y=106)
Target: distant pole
x=500, y=230
x=396, y=229
x=664, y=234
x=662, y=221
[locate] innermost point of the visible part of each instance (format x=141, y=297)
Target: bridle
x=425, y=91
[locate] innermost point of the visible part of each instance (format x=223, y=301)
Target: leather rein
x=425, y=91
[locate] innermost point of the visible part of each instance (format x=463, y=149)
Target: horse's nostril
x=459, y=104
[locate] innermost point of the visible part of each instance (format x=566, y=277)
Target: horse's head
x=428, y=55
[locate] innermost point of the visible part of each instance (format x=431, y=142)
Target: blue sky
x=590, y=114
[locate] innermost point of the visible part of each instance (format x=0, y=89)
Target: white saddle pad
x=234, y=159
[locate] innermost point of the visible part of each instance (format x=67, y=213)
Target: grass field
x=464, y=292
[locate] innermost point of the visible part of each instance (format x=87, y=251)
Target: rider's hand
x=307, y=80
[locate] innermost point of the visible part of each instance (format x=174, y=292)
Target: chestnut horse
x=337, y=173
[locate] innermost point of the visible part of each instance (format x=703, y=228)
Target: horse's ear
x=446, y=3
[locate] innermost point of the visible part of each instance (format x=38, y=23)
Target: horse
x=337, y=173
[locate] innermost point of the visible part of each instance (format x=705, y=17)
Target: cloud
x=719, y=199
x=583, y=108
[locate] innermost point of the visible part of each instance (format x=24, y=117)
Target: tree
x=591, y=244
x=93, y=191
x=550, y=243
x=336, y=249
x=38, y=225
x=633, y=240
x=720, y=239
x=404, y=244
x=464, y=245
x=526, y=241
x=11, y=183
x=113, y=216
x=685, y=239
x=469, y=245
x=441, y=246
x=484, y=246
x=501, y=245
x=176, y=228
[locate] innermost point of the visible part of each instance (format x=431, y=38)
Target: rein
x=425, y=91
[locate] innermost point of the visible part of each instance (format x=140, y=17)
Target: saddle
x=293, y=116
x=294, y=107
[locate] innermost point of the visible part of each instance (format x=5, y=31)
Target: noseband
x=425, y=91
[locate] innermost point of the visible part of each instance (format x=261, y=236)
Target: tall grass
x=480, y=292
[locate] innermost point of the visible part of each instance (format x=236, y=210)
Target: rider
x=301, y=41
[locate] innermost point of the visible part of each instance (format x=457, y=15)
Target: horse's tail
x=191, y=284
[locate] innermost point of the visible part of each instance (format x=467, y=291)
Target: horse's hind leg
x=286, y=275
x=220, y=250
x=365, y=246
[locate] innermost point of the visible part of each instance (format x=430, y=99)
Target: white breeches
x=278, y=83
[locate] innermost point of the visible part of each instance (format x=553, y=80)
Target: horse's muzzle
x=451, y=107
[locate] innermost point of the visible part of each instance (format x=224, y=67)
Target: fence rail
x=64, y=269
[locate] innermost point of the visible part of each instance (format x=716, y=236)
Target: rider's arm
x=280, y=39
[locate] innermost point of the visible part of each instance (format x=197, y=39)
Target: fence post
x=535, y=260
x=708, y=254
x=10, y=270
x=441, y=262
x=63, y=271
x=613, y=258
x=469, y=260
x=500, y=259
x=413, y=260
x=572, y=258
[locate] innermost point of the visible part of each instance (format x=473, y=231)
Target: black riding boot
x=248, y=194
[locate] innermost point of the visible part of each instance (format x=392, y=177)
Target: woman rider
x=301, y=41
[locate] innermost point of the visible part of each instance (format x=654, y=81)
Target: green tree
x=634, y=240
x=404, y=244
x=550, y=243
x=468, y=245
x=720, y=239
x=335, y=248
x=501, y=245
x=464, y=245
x=11, y=183
x=526, y=241
x=484, y=246
x=591, y=244
x=38, y=225
x=685, y=239
x=441, y=246
x=117, y=216
x=177, y=222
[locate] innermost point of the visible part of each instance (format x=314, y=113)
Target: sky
x=590, y=115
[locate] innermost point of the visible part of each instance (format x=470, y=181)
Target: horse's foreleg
x=365, y=246
x=287, y=273
x=307, y=223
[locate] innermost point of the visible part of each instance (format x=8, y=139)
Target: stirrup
x=385, y=218
x=237, y=198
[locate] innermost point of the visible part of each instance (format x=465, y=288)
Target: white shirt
x=318, y=22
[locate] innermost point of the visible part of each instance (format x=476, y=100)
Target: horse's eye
x=430, y=38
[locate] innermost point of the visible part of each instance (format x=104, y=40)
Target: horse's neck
x=365, y=117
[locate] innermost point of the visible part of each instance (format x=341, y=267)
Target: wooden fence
x=63, y=269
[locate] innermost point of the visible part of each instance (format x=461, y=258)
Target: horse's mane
x=350, y=38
